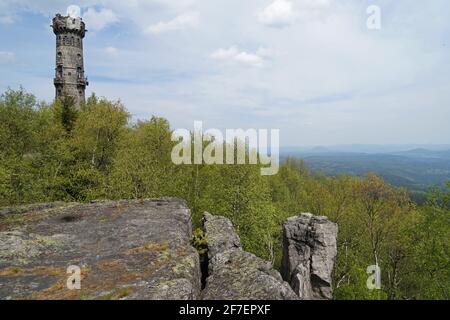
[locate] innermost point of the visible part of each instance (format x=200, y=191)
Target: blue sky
x=310, y=68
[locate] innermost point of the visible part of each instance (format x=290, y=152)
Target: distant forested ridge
x=52, y=152
x=417, y=169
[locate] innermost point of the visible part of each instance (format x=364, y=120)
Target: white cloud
x=233, y=55
x=307, y=10
x=98, y=20
x=282, y=13
x=7, y=57
x=314, y=4
x=279, y=13
x=183, y=21
x=112, y=51
x=9, y=19
x=264, y=52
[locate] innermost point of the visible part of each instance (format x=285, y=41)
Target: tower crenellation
x=70, y=79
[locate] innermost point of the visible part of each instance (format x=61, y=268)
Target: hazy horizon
x=392, y=147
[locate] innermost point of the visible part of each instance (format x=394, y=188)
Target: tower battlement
x=70, y=80
x=67, y=24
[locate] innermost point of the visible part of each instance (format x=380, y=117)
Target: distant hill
x=368, y=148
x=425, y=153
x=417, y=169
x=320, y=150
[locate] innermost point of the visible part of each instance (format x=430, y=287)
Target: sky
x=311, y=68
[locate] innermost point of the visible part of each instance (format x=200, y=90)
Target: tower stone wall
x=70, y=79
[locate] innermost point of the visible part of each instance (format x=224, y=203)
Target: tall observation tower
x=70, y=80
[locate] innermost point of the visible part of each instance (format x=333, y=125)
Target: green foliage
x=241, y=194
x=66, y=113
x=142, y=167
x=19, y=123
x=55, y=152
x=97, y=132
x=199, y=241
x=429, y=278
x=356, y=287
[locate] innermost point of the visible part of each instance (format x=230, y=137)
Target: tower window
x=59, y=72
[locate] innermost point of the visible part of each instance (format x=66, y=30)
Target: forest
x=54, y=152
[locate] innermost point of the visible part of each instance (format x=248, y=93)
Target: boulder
x=220, y=234
x=124, y=250
x=234, y=274
x=142, y=250
x=309, y=252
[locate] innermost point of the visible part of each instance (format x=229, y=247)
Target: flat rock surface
x=124, y=249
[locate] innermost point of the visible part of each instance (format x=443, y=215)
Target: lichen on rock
x=125, y=249
x=234, y=274
x=309, y=252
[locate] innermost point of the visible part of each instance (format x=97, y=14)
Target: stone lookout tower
x=70, y=80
